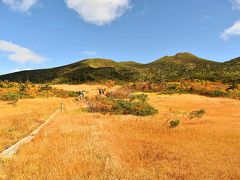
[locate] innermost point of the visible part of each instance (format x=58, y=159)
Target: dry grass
x=80, y=145
x=18, y=121
x=91, y=89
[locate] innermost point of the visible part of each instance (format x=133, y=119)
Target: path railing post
x=61, y=108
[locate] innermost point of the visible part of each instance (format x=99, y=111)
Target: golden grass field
x=91, y=89
x=82, y=145
x=17, y=122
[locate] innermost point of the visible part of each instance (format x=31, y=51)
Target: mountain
x=181, y=58
x=132, y=64
x=181, y=66
x=79, y=72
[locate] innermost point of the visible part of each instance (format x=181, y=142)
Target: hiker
x=81, y=95
x=102, y=91
x=232, y=86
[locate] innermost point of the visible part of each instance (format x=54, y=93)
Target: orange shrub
x=110, y=84
x=98, y=104
x=121, y=93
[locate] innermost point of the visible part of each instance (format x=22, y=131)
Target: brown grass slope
x=18, y=121
x=80, y=145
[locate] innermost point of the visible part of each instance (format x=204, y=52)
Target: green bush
x=73, y=93
x=174, y=123
x=217, y=94
x=6, y=84
x=10, y=97
x=197, y=114
x=172, y=86
x=23, y=88
x=137, y=107
x=140, y=97
x=45, y=87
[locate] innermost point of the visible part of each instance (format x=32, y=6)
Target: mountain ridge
x=168, y=68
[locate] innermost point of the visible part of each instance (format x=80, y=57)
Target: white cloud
x=90, y=53
x=235, y=4
x=20, y=5
x=234, y=30
x=19, y=54
x=99, y=12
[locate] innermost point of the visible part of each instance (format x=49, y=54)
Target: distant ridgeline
x=182, y=66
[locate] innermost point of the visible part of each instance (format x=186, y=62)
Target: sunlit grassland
x=83, y=145
x=19, y=120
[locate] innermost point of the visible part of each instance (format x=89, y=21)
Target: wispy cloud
x=18, y=53
x=234, y=30
x=207, y=17
x=99, y=12
x=90, y=53
x=20, y=5
x=235, y=4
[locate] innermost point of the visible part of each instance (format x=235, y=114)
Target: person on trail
x=232, y=86
x=82, y=95
x=102, y=91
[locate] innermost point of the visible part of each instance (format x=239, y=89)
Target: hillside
x=182, y=66
x=82, y=71
x=181, y=58
x=169, y=68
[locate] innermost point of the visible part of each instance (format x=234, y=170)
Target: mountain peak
x=98, y=62
x=181, y=58
x=185, y=55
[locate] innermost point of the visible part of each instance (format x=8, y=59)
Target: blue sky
x=42, y=33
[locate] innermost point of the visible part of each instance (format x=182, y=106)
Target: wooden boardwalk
x=9, y=152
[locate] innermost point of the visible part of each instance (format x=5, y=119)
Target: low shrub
x=137, y=107
x=170, y=92
x=110, y=83
x=214, y=93
x=24, y=88
x=13, y=102
x=73, y=93
x=205, y=88
x=99, y=104
x=121, y=93
x=10, y=97
x=172, y=86
x=234, y=94
x=44, y=87
x=6, y=84
x=140, y=97
x=61, y=93
x=174, y=123
x=197, y=114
